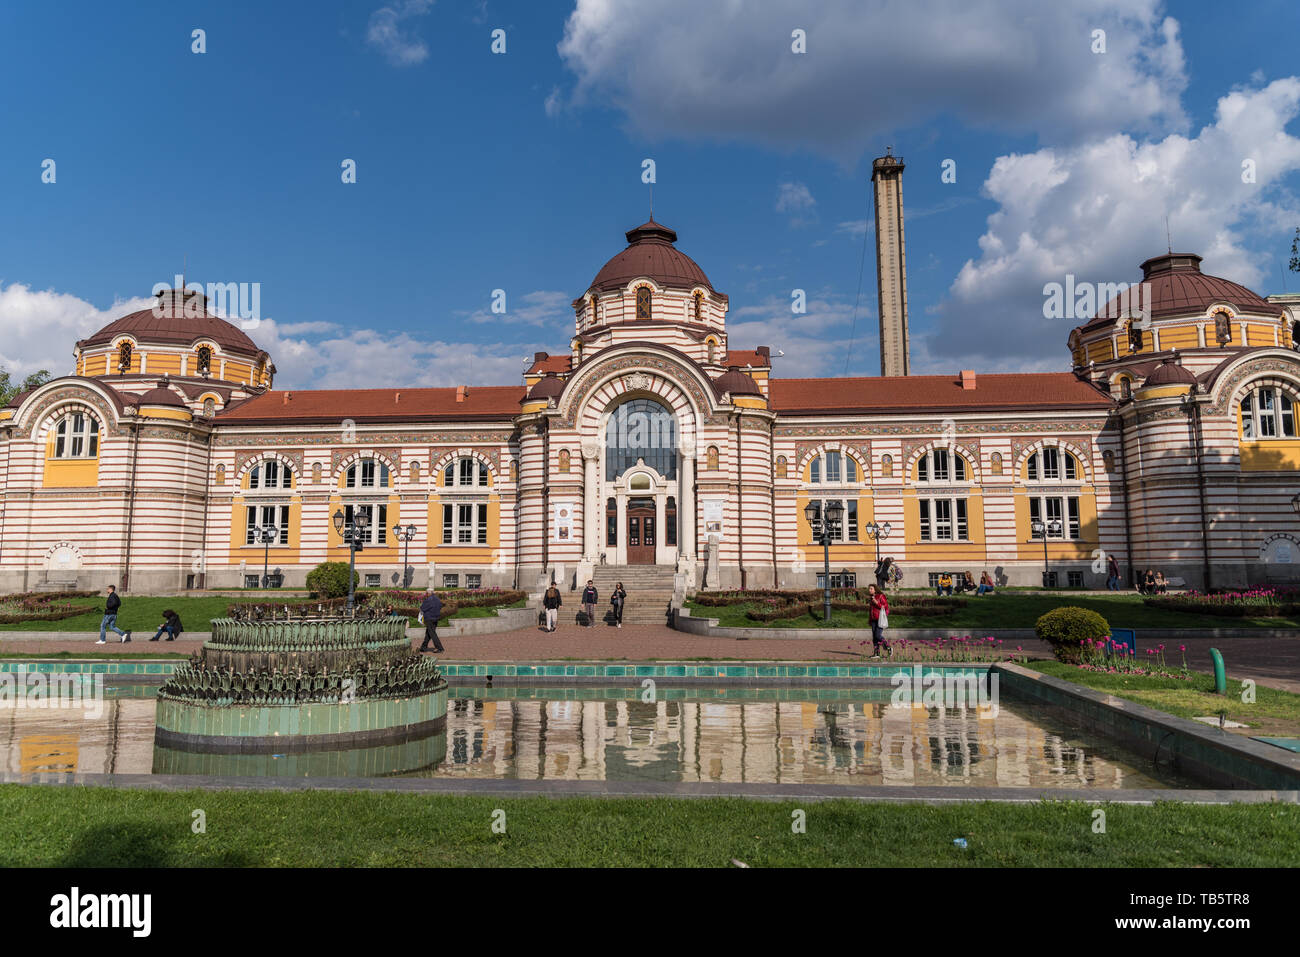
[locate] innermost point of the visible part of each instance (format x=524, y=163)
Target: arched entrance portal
x=641, y=469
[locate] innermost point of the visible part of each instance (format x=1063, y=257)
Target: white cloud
x=385, y=33
x=1097, y=210
x=39, y=328
x=816, y=343
x=539, y=308
x=855, y=228
x=725, y=71
x=794, y=198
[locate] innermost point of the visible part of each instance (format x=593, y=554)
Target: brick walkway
x=1270, y=661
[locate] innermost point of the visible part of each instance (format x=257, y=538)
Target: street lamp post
x=266, y=535
x=1040, y=530
x=877, y=533
x=822, y=528
x=404, y=534
x=354, y=534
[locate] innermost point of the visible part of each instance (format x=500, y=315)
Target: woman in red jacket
x=879, y=621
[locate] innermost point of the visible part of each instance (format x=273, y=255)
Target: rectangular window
x=959, y=467
x=1035, y=515
x=271, y=476
x=1247, y=417
x=449, y=474
x=923, y=469
x=925, y=518
x=481, y=532
x=832, y=466
x=1267, y=424
x=1074, y=579
x=942, y=519
x=1051, y=464
x=372, y=580
x=250, y=531
x=1288, y=416
x=815, y=473
x=1051, y=580
x=465, y=524
x=450, y=581
x=1073, y=511
x=1032, y=471
x=252, y=581
x=961, y=519
x=940, y=465
x=277, y=516
x=466, y=471
x=851, y=519
x=1071, y=471
x=60, y=440
x=447, y=523
x=851, y=468
x=482, y=474
x=473, y=581
x=380, y=535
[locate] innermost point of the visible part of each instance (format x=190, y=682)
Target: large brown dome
x=652, y=255
x=1178, y=289
x=169, y=325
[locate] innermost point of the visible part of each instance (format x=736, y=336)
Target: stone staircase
x=649, y=592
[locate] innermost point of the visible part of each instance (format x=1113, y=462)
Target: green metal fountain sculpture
x=322, y=696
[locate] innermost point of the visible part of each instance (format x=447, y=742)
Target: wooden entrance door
x=642, y=535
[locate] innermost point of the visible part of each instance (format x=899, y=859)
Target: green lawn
x=103, y=827
x=987, y=614
x=144, y=614
x=1276, y=709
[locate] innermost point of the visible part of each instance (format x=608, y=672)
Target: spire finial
x=1169, y=242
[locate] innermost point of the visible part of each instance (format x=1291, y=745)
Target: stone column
x=686, y=499
x=661, y=512
x=591, y=501
x=620, y=552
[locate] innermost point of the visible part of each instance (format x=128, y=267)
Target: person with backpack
x=616, y=601
x=171, y=624
x=589, y=599
x=882, y=573
x=551, y=601
x=879, y=621
x=109, y=623
x=430, y=612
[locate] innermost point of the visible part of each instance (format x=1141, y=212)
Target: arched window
x=465, y=472
x=938, y=465
x=76, y=437
x=641, y=429
x=833, y=467
x=1052, y=465
x=315, y=474
x=270, y=473
x=1125, y=387
x=415, y=473
x=1222, y=328
x=711, y=459
x=699, y=306
x=1108, y=460
x=643, y=302
x=514, y=470
x=209, y=407
x=367, y=473
x=1134, y=337
x=221, y=475
x=995, y=463
x=781, y=466
x=124, y=357
x=1295, y=335
x=887, y=466
x=713, y=352
x=204, y=361
x=1267, y=413
x=564, y=460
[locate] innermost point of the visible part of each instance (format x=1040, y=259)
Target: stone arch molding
x=1080, y=455
x=971, y=456
x=684, y=389
x=448, y=456
x=48, y=404
x=245, y=463
x=1278, y=368
x=63, y=556
x=805, y=456
x=389, y=457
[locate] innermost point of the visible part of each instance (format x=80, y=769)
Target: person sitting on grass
x=171, y=624
x=1148, y=586
x=1162, y=583
x=968, y=582
x=986, y=585
x=945, y=584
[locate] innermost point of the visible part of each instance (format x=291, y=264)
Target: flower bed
x=41, y=606
x=1257, y=602
x=778, y=604
x=391, y=602
x=1110, y=657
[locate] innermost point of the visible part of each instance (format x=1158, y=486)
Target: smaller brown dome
x=162, y=396
x=549, y=387
x=736, y=382
x=1170, y=372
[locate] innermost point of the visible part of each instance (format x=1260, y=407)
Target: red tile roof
x=747, y=357
x=932, y=393
x=547, y=364
x=375, y=405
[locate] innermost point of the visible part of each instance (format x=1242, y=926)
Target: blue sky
x=521, y=171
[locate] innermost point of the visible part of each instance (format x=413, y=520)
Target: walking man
x=589, y=599
x=552, y=601
x=111, y=605
x=430, y=612
x=1112, y=573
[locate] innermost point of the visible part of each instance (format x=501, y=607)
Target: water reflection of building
x=119, y=740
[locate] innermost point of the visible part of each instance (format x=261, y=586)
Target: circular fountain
x=306, y=697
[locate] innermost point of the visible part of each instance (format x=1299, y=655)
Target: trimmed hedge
x=1067, y=627
x=330, y=579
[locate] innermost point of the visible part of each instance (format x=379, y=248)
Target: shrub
x=330, y=579
x=1067, y=628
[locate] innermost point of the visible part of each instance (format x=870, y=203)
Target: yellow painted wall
x=1270, y=455
x=71, y=473
x=1180, y=337
x=1101, y=351
x=1258, y=334
x=161, y=363
x=238, y=371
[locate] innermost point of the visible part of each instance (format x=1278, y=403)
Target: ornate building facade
x=159, y=463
